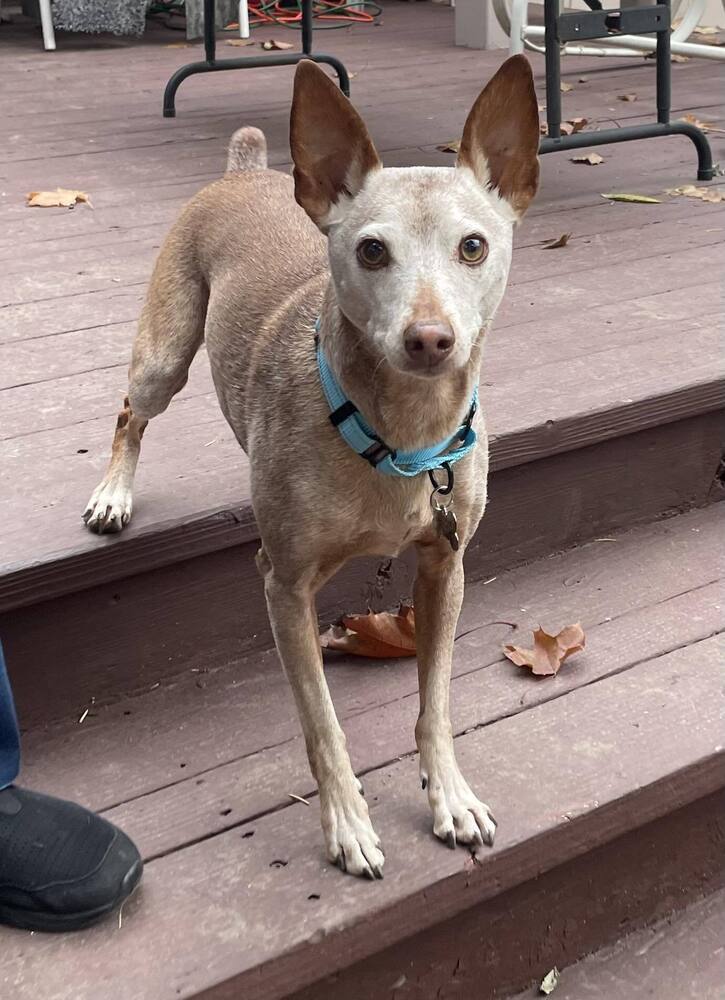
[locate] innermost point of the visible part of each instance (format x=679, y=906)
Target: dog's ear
x=501, y=137
x=331, y=148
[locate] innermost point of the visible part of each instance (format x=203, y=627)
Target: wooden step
x=681, y=958
x=606, y=781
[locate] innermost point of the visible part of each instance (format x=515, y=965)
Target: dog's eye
x=372, y=253
x=472, y=249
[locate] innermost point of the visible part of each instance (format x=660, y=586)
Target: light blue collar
x=346, y=417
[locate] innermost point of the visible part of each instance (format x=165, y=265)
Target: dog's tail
x=247, y=151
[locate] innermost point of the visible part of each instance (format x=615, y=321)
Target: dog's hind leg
x=170, y=331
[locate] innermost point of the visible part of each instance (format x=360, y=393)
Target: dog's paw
x=458, y=816
x=109, y=509
x=352, y=843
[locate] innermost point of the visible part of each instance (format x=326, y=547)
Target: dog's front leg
x=350, y=839
x=458, y=816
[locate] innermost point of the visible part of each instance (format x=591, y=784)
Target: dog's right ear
x=331, y=148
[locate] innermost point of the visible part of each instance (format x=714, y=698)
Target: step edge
x=443, y=900
x=221, y=527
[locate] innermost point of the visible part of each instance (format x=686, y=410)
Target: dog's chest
x=391, y=519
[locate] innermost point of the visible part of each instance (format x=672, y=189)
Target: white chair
x=513, y=16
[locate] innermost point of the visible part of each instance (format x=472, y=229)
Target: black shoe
x=61, y=867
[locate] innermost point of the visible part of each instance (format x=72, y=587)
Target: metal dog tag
x=447, y=525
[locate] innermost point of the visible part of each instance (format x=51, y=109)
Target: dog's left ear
x=331, y=148
x=501, y=137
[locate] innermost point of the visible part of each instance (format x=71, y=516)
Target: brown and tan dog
x=405, y=269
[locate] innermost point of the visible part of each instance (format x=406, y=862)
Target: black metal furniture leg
x=597, y=24
x=553, y=68
x=212, y=64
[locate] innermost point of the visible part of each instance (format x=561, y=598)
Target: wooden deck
x=603, y=387
x=638, y=279
x=602, y=781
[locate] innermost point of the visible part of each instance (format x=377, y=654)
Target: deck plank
x=253, y=928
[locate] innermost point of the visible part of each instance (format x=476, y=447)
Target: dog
x=345, y=335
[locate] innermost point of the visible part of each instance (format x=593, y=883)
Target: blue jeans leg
x=9, y=735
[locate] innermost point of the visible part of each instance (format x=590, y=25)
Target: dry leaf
x=675, y=57
x=382, y=635
x=706, y=36
x=703, y=126
x=593, y=159
x=273, y=43
x=450, y=147
x=60, y=198
x=627, y=97
x=239, y=42
x=565, y=87
x=568, y=127
x=232, y=26
x=555, y=244
x=713, y=195
x=549, y=651
x=550, y=982
x=639, y=199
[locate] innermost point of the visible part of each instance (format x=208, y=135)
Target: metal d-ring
x=446, y=490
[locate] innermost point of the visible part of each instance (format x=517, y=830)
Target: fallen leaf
x=232, y=26
x=565, y=87
x=239, y=43
x=60, y=198
x=640, y=199
x=273, y=43
x=549, y=651
x=593, y=159
x=555, y=244
x=703, y=126
x=675, y=57
x=568, y=127
x=450, y=147
x=706, y=36
x=627, y=97
x=381, y=635
x=550, y=982
x=713, y=195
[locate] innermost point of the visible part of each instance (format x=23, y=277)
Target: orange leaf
x=61, y=197
x=382, y=635
x=549, y=651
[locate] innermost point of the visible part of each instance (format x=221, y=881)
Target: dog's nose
x=428, y=342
